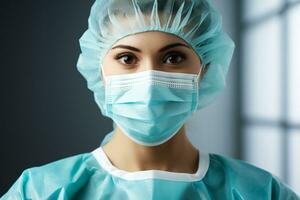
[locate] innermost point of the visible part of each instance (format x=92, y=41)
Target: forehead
x=149, y=39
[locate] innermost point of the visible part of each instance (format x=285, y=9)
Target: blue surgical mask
x=151, y=106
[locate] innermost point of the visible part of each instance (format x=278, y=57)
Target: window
x=293, y=39
x=271, y=87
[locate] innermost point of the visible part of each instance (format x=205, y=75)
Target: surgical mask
x=151, y=106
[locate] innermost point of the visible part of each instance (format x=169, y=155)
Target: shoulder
x=53, y=178
x=247, y=180
x=239, y=168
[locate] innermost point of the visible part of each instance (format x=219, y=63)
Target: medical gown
x=91, y=176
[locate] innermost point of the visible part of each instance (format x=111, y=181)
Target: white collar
x=105, y=163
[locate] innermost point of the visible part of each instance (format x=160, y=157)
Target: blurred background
x=257, y=118
x=47, y=113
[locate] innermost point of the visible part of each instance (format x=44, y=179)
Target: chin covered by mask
x=151, y=106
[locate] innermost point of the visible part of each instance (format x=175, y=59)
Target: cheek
x=195, y=66
x=111, y=66
x=193, y=62
x=108, y=67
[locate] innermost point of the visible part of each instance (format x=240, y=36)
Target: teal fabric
x=196, y=22
x=163, y=98
x=81, y=177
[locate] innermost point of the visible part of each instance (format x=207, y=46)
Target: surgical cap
x=195, y=21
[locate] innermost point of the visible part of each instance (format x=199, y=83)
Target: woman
x=151, y=65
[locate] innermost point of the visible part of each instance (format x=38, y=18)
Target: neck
x=176, y=155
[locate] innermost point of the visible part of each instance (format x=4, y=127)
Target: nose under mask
x=151, y=106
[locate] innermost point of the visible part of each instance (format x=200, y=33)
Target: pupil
x=174, y=59
x=127, y=59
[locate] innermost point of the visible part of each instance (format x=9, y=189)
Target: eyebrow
x=161, y=50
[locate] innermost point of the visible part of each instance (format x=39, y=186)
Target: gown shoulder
x=55, y=180
x=246, y=181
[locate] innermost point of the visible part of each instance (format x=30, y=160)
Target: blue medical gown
x=91, y=176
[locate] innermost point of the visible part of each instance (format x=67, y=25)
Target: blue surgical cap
x=196, y=22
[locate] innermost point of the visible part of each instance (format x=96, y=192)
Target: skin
x=177, y=154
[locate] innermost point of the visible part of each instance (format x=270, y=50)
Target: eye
x=126, y=59
x=174, y=58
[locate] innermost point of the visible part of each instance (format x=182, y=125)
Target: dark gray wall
x=46, y=110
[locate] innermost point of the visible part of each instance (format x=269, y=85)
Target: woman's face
x=150, y=51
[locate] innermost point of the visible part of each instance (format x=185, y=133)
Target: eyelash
x=172, y=53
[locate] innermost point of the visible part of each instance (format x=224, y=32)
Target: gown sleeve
x=281, y=191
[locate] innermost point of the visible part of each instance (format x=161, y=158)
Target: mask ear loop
x=103, y=74
x=200, y=74
x=198, y=86
x=105, y=88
